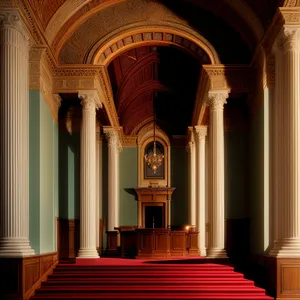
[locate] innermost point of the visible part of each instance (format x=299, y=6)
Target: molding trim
x=41, y=78
x=232, y=78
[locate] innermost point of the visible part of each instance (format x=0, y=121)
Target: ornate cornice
x=41, y=78
x=291, y=3
x=129, y=141
x=32, y=24
x=103, y=84
x=284, y=17
x=80, y=78
x=235, y=78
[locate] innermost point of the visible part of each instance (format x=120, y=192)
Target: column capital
x=217, y=99
x=112, y=136
x=11, y=18
x=89, y=100
x=200, y=131
x=189, y=146
x=288, y=39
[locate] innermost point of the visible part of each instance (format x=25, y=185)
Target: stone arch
x=103, y=52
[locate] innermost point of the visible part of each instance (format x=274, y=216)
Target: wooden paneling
x=192, y=243
x=153, y=243
x=153, y=196
x=112, y=243
x=288, y=278
x=178, y=241
x=128, y=243
x=281, y=275
x=20, y=277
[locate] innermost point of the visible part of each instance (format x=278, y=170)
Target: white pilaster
x=191, y=178
x=216, y=238
x=14, y=165
x=200, y=134
x=90, y=102
x=287, y=164
x=98, y=187
x=113, y=177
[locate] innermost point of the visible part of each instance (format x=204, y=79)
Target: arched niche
x=145, y=137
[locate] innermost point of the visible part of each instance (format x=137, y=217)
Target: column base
x=88, y=253
x=216, y=253
x=15, y=247
x=288, y=247
x=202, y=252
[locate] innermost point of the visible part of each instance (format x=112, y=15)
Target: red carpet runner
x=141, y=280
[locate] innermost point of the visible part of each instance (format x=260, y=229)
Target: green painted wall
x=69, y=175
x=43, y=162
x=34, y=170
x=128, y=180
x=236, y=174
x=179, y=180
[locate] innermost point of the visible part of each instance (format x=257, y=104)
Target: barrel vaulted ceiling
x=151, y=57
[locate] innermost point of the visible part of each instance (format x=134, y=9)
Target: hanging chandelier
x=154, y=158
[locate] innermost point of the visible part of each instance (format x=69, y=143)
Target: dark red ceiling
x=165, y=73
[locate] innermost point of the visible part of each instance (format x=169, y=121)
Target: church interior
x=150, y=130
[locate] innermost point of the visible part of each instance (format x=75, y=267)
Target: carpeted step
x=156, y=296
x=149, y=273
x=201, y=268
x=154, y=289
x=170, y=281
x=151, y=281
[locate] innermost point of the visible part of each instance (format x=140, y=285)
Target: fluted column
x=200, y=134
x=192, y=178
x=90, y=102
x=14, y=164
x=216, y=238
x=113, y=178
x=287, y=107
x=98, y=188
